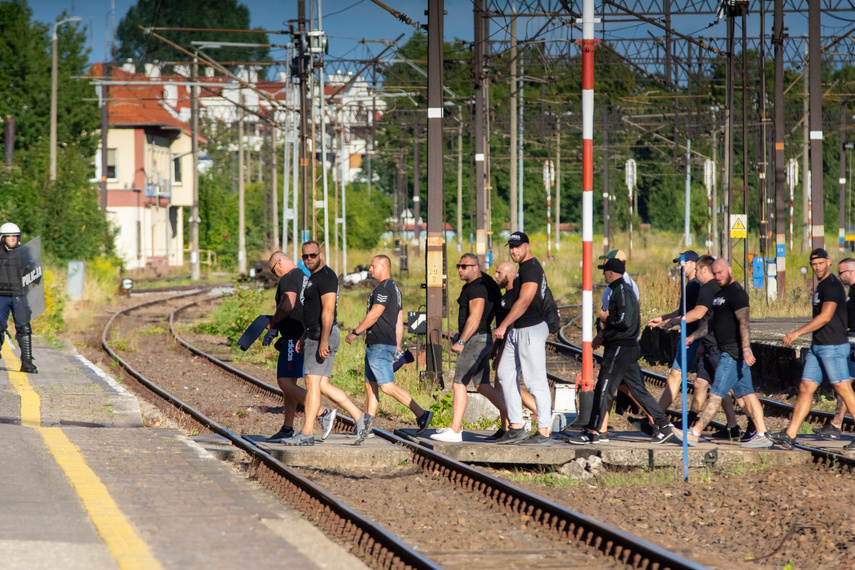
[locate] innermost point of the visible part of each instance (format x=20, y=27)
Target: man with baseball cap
x=618, y=254
x=525, y=332
x=829, y=349
x=620, y=327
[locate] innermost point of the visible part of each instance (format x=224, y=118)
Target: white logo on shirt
x=718, y=301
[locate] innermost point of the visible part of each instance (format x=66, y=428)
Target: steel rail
x=570, y=525
x=371, y=541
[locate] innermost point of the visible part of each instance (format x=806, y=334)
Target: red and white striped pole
x=548, y=183
x=588, y=43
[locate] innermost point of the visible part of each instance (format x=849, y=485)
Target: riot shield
x=32, y=282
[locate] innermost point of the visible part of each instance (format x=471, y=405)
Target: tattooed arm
x=700, y=332
x=742, y=315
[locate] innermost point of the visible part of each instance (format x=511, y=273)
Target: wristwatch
x=461, y=342
x=354, y=333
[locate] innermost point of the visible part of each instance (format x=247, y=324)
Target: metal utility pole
x=765, y=230
x=780, y=187
x=514, y=141
x=687, y=230
x=817, y=206
x=274, y=181
x=729, y=138
x=105, y=129
x=520, y=173
x=744, y=11
x=195, y=270
x=241, y=194
x=305, y=109
x=607, y=229
x=842, y=179
x=460, y=185
x=417, y=186
x=480, y=76
x=435, y=265
x=806, y=144
x=557, y=183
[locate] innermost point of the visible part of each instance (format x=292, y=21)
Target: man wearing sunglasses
x=846, y=271
x=384, y=328
x=829, y=349
x=473, y=344
x=288, y=318
x=525, y=348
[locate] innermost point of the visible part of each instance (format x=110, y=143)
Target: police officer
x=10, y=296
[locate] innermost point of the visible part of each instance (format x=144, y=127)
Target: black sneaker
x=827, y=431
x=424, y=422
x=512, y=436
x=661, y=434
x=587, y=437
x=781, y=438
x=284, y=433
x=750, y=430
x=538, y=440
x=642, y=424
x=727, y=432
x=499, y=433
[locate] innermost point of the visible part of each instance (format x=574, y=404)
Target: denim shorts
x=732, y=374
x=690, y=356
x=851, y=361
x=379, y=359
x=290, y=363
x=828, y=359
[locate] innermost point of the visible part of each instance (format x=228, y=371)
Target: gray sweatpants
x=525, y=351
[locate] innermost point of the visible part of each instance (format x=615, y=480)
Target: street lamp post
x=54, y=57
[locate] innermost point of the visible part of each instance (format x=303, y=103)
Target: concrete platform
x=624, y=449
x=86, y=486
x=337, y=451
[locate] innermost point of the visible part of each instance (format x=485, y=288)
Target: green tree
x=220, y=14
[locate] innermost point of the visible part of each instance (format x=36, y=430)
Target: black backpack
x=551, y=315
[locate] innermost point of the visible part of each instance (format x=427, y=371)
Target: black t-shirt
x=706, y=294
x=830, y=290
x=477, y=289
x=531, y=272
x=850, y=310
x=727, y=301
x=292, y=282
x=383, y=331
x=503, y=307
x=693, y=289
x=318, y=284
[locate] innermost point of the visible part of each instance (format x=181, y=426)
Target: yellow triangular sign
x=737, y=224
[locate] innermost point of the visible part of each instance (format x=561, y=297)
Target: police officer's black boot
x=25, y=341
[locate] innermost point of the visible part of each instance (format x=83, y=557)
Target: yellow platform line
x=126, y=547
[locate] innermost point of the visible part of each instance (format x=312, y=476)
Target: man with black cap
x=525, y=348
x=829, y=349
x=621, y=325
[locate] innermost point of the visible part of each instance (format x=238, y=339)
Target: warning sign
x=739, y=226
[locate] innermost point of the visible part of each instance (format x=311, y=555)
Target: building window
x=176, y=170
x=112, y=167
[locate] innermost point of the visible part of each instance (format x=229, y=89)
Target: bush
x=51, y=322
x=234, y=315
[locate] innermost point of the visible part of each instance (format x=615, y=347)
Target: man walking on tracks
x=731, y=324
x=473, y=344
x=620, y=327
x=384, y=328
x=829, y=349
x=288, y=319
x=525, y=347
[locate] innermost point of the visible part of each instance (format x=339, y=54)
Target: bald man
x=288, y=319
x=384, y=328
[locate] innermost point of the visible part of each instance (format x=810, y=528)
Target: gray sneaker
x=327, y=421
x=299, y=439
x=759, y=440
x=538, y=440
x=363, y=426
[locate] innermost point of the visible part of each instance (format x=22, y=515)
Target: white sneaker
x=447, y=435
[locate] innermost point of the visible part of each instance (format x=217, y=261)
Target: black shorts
x=707, y=363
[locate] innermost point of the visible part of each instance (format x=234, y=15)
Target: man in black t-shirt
x=731, y=324
x=384, y=324
x=473, y=343
x=693, y=289
x=829, y=350
x=846, y=271
x=525, y=347
x=288, y=319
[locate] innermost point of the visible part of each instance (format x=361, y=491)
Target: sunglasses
x=310, y=255
x=462, y=265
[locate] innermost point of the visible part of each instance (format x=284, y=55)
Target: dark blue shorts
x=290, y=364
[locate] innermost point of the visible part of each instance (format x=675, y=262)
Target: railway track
x=373, y=543
x=770, y=407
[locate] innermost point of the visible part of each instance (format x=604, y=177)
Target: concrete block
x=336, y=452
x=478, y=407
